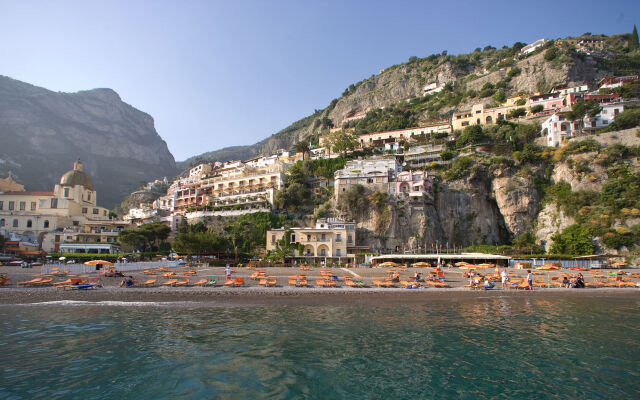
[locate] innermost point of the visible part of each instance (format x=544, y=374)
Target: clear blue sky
x=221, y=73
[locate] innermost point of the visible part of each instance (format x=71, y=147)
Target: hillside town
x=398, y=163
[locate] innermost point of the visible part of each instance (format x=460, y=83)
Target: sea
x=477, y=348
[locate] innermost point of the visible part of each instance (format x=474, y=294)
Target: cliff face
x=43, y=132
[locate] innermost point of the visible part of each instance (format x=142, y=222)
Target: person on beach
x=504, y=277
x=579, y=283
x=530, y=279
x=228, y=271
x=566, y=283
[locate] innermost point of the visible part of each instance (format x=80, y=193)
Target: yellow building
x=328, y=239
x=32, y=216
x=478, y=115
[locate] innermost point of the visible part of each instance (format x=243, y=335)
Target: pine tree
x=633, y=40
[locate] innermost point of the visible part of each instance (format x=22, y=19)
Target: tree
x=285, y=248
x=136, y=239
x=155, y=232
x=199, y=243
x=633, y=40
x=551, y=54
x=518, y=112
x=354, y=202
x=537, y=108
x=574, y=240
x=303, y=147
x=499, y=96
x=341, y=142
x=581, y=109
x=470, y=134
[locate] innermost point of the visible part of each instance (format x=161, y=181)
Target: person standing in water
x=228, y=271
x=504, y=277
x=530, y=279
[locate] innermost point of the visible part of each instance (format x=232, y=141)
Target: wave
x=110, y=303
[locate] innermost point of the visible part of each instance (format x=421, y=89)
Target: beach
x=251, y=293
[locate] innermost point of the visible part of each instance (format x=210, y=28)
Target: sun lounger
x=321, y=283
x=170, y=282
x=239, y=282
x=149, y=282
x=303, y=282
x=263, y=282
x=182, y=282
x=271, y=282
x=230, y=282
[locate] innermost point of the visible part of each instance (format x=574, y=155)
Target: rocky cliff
x=43, y=132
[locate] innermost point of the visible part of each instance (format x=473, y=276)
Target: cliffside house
x=379, y=139
x=530, y=48
x=375, y=174
x=558, y=128
x=432, y=88
x=613, y=82
x=478, y=115
x=329, y=240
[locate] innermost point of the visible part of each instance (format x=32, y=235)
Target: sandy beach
x=284, y=294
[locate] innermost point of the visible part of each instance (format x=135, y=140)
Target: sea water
x=528, y=348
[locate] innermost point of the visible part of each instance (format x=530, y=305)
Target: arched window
x=15, y=223
x=29, y=223
x=46, y=223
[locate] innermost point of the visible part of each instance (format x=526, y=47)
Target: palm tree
x=303, y=147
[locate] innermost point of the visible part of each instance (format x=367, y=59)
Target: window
x=96, y=211
x=349, y=239
x=338, y=252
x=89, y=196
x=324, y=236
x=33, y=206
x=338, y=237
x=11, y=205
x=15, y=223
x=293, y=238
x=46, y=223
x=54, y=203
x=2, y=222
x=76, y=223
x=84, y=210
x=29, y=223
x=1, y=205
x=66, y=192
x=323, y=252
x=273, y=238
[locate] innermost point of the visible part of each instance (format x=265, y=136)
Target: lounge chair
x=201, y=282
x=212, y=282
x=271, y=282
x=149, y=283
x=3, y=279
x=321, y=283
x=303, y=282
x=170, y=282
x=239, y=282
x=182, y=282
x=263, y=282
x=230, y=282
x=293, y=282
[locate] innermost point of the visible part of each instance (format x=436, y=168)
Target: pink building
x=550, y=101
x=414, y=184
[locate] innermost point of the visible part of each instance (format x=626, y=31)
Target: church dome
x=76, y=177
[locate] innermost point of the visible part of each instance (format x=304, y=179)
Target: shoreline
x=281, y=296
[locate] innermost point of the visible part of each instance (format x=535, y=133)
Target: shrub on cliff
x=574, y=240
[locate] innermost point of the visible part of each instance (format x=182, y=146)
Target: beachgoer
x=530, y=279
x=579, y=283
x=566, y=283
x=504, y=277
x=228, y=271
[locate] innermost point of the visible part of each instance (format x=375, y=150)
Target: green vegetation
x=470, y=134
x=355, y=203
x=575, y=239
x=537, y=108
x=633, y=39
x=627, y=119
x=148, y=236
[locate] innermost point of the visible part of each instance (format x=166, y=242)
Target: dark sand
x=283, y=294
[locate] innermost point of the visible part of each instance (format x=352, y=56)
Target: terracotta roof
x=29, y=193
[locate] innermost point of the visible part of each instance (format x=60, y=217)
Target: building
x=590, y=46
x=420, y=156
x=329, y=240
x=550, y=101
x=530, y=48
x=34, y=215
x=379, y=139
x=414, y=185
x=558, y=128
x=478, y=115
x=613, y=82
x=432, y=88
x=376, y=174
x=565, y=90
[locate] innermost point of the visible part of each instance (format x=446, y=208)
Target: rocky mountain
x=42, y=132
x=463, y=77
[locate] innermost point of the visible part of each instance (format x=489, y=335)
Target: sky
x=214, y=74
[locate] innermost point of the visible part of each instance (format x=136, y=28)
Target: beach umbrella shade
x=548, y=268
x=619, y=264
x=101, y=262
x=388, y=264
x=485, y=265
x=421, y=264
x=468, y=267
x=461, y=264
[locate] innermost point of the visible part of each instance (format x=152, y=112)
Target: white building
x=530, y=48
x=432, y=88
x=379, y=139
x=374, y=174
x=558, y=128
